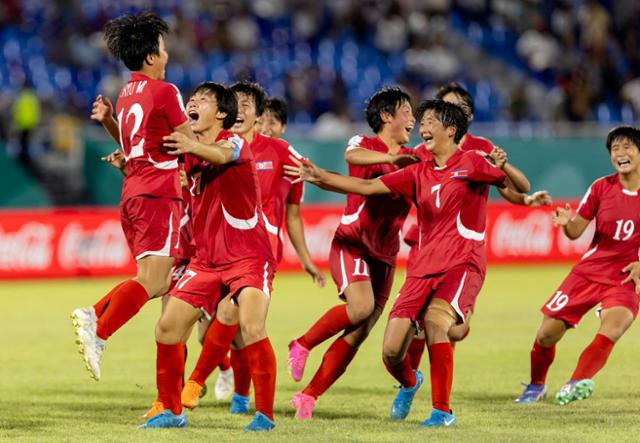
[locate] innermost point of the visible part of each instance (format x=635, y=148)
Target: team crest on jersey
x=264, y=166
x=459, y=173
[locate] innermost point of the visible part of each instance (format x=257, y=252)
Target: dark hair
x=628, y=132
x=458, y=90
x=254, y=90
x=279, y=108
x=385, y=100
x=447, y=113
x=131, y=38
x=225, y=98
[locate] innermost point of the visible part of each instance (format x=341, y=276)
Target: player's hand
x=562, y=216
x=316, y=274
x=102, y=109
x=633, y=269
x=115, y=159
x=538, y=198
x=499, y=157
x=402, y=160
x=303, y=170
x=178, y=143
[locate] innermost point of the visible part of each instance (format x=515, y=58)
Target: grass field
x=46, y=393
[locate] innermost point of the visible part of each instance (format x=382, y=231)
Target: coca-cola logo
x=100, y=247
x=28, y=248
x=531, y=235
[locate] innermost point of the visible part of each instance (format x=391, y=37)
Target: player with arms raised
x=598, y=278
x=148, y=109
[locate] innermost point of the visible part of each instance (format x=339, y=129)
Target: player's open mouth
x=239, y=121
x=193, y=116
x=408, y=129
x=623, y=163
x=427, y=138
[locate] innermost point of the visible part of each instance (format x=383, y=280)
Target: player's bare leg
x=614, y=322
x=94, y=325
x=359, y=305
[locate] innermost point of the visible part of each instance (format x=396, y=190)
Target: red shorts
x=151, y=225
x=177, y=271
x=348, y=266
x=577, y=295
x=203, y=287
x=458, y=286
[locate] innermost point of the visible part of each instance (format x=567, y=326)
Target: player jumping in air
x=150, y=207
x=443, y=281
x=599, y=277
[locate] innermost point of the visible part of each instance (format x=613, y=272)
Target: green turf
x=46, y=394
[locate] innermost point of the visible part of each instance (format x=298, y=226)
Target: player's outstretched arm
x=309, y=172
x=365, y=157
x=218, y=153
x=102, y=112
x=538, y=198
x=295, y=229
x=517, y=180
x=117, y=160
x=573, y=227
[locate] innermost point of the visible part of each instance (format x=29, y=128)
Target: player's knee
x=546, y=337
x=439, y=319
x=165, y=334
x=252, y=332
x=361, y=311
x=459, y=332
x=391, y=354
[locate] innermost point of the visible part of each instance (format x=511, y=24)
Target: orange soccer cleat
x=191, y=394
x=156, y=408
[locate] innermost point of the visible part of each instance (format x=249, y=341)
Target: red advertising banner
x=89, y=242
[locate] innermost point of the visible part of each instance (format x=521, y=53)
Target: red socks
x=262, y=364
x=102, y=304
x=332, y=322
x=334, y=363
x=593, y=357
x=541, y=359
x=403, y=372
x=214, y=349
x=241, y=372
x=415, y=351
x=126, y=300
x=225, y=363
x=169, y=371
x=441, y=371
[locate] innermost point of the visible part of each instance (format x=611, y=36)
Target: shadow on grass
x=21, y=424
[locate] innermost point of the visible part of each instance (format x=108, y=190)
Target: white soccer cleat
x=84, y=317
x=224, y=385
x=90, y=346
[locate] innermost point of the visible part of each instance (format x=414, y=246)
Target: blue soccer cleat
x=166, y=419
x=575, y=390
x=532, y=394
x=260, y=423
x=402, y=403
x=439, y=419
x=239, y=404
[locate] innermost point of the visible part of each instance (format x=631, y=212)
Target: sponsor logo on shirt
x=264, y=166
x=459, y=173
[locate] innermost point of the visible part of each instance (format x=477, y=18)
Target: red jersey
x=147, y=111
x=227, y=222
x=270, y=155
x=470, y=143
x=186, y=248
x=452, y=210
x=616, y=241
x=371, y=225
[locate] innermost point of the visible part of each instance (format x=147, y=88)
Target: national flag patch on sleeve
x=264, y=166
x=459, y=173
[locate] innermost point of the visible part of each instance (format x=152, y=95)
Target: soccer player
x=443, y=281
x=148, y=109
x=363, y=251
x=274, y=119
x=278, y=195
x=233, y=264
x=598, y=278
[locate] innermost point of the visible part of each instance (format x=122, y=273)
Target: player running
x=598, y=278
x=148, y=108
x=363, y=251
x=443, y=281
x=279, y=196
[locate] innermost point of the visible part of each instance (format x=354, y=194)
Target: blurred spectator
x=26, y=116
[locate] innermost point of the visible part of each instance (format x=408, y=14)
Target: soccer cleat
x=298, y=355
x=84, y=317
x=239, y=404
x=575, y=390
x=224, y=385
x=532, y=394
x=402, y=403
x=166, y=419
x=156, y=408
x=303, y=404
x=91, y=347
x=439, y=419
x=260, y=423
x=190, y=396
